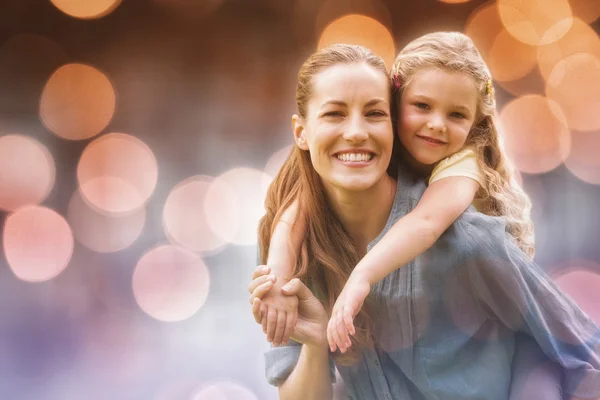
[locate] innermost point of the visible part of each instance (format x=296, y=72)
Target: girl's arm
x=442, y=203
x=279, y=311
x=285, y=242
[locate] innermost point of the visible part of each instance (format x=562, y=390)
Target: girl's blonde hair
x=327, y=254
x=500, y=193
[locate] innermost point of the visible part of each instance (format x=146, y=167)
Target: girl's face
x=437, y=110
x=348, y=129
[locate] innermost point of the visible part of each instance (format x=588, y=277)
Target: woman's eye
x=377, y=114
x=333, y=114
x=423, y=106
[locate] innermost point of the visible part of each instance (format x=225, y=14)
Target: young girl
x=445, y=102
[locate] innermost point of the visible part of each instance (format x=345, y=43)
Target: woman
x=443, y=327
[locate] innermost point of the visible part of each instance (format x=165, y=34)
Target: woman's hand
x=279, y=312
x=311, y=326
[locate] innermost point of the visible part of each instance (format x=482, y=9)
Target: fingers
x=261, y=290
x=263, y=317
x=290, y=324
x=259, y=281
x=330, y=339
x=279, y=327
x=271, y=323
x=296, y=287
x=256, y=310
x=337, y=334
x=348, y=317
x=343, y=338
x=260, y=270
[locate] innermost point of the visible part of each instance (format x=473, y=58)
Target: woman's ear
x=298, y=129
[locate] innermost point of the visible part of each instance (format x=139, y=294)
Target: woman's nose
x=356, y=130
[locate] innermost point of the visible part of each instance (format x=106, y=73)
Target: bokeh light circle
x=583, y=162
x=574, y=84
x=521, y=61
x=184, y=219
x=78, y=102
x=581, y=38
x=234, y=204
x=117, y=173
x=170, y=283
x=38, y=243
x=277, y=160
x=27, y=172
x=103, y=233
x=536, y=22
x=582, y=283
x=224, y=390
x=495, y=44
x=535, y=134
x=361, y=30
x=86, y=9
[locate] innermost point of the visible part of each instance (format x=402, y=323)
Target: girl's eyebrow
x=454, y=106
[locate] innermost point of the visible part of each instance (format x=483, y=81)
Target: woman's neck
x=363, y=214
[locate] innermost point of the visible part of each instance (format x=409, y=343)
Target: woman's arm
x=534, y=376
x=301, y=371
x=513, y=289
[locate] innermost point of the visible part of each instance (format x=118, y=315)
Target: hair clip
x=489, y=90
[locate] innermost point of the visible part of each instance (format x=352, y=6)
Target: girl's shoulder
x=461, y=163
x=466, y=153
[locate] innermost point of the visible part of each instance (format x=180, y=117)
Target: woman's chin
x=356, y=183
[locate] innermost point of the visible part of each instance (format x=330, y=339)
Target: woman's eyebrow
x=375, y=101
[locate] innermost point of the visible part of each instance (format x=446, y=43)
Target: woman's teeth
x=354, y=157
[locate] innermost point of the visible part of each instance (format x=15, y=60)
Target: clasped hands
x=289, y=310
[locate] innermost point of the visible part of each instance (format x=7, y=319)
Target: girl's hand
x=347, y=305
x=311, y=325
x=279, y=312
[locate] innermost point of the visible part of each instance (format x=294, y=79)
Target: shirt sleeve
x=514, y=290
x=281, y=361
x=463, y=163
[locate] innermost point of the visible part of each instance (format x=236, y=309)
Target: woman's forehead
x=350, y=81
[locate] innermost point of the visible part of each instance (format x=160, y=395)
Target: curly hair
x=500, y=194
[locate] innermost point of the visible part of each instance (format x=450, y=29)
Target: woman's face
x=348, y=129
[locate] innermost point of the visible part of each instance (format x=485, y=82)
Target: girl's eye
x=333, y=114
x=423, y=106
x=457, y=115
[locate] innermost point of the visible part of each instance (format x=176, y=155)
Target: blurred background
x=137, y=140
